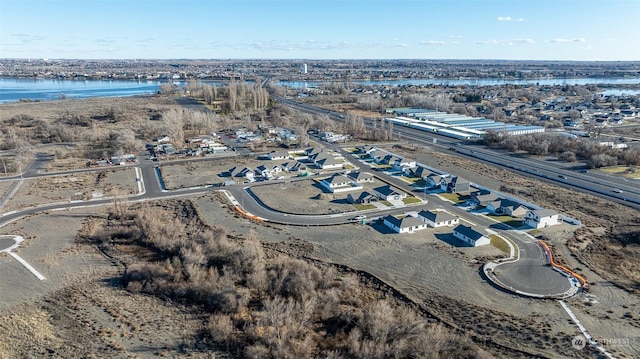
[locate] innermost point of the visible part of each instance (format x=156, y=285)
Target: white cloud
x=507, y=42
x=578, y=39
x=523, y=41
x=432, y=42
x=509, y=18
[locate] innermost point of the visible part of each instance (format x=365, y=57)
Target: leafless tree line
x=566, y=149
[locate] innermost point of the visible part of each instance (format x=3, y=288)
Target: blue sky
x=602, y=30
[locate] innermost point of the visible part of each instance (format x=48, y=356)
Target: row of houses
x=318, y=156
x=536, y=218
x=434, y=219
x=265, y=172
x=446, y=182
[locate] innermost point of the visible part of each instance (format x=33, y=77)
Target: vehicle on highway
x=584, y=171
x=359, y=217
x=617, y=190
x=563, y=176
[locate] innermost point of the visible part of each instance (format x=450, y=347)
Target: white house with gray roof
x=406, y=224
x=436, y=219
x=387, y=193
x=541, y=218
x=340, y=183
x=470, y=236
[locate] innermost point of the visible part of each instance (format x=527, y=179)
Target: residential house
x=363, y=197
x=361, y=177
x=247, y=173
x=278, y=155
x=433, y=179
x=366, y=150
x=325, y=162
x=387, y=193
x=294, y=167
x=436, y=219
x=405, y=224
x=420, y=172
x=313, y=153
x=401, y=163
x=508, y=207
x=269, y=172
x=298, y=167
x=541, y=218
x=470, y=236
x=455, y=184
x=482, y=198
x=388, y=159
x=340, y=183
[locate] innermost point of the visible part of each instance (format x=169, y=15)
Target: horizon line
x=294, y=59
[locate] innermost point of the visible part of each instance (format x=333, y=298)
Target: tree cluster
x=566, y=149
x=266, y=305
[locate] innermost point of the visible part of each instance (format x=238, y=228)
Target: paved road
x=596, y=184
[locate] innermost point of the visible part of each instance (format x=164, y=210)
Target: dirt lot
x=51, y=189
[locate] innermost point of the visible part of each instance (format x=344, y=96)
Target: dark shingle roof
x=468, y=232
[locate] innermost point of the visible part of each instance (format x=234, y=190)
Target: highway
x=550, y=171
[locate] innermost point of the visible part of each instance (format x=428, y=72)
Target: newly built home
x=278, y=155
x=470, y=236
x=405, y=224
x=340, y=183
x=363, y=197
x=387, y=193
x=436, y=219
x=455, y=184
x=541, y=218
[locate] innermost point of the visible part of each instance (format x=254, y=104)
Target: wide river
x=12, y=90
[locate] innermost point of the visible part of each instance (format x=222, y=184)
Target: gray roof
x=337, y=178
x=544, y=212
x=386, y=190
x=407, y=221
x=437, y=216
x=359, y=176
x=468, y=232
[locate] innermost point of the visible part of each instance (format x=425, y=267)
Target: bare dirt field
x=51, y=189
x=304, y=197
x=202, y=172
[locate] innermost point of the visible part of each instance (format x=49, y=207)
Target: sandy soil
x=51, y=189
x=201, y=172
x=306, y=196
x=50, y=247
